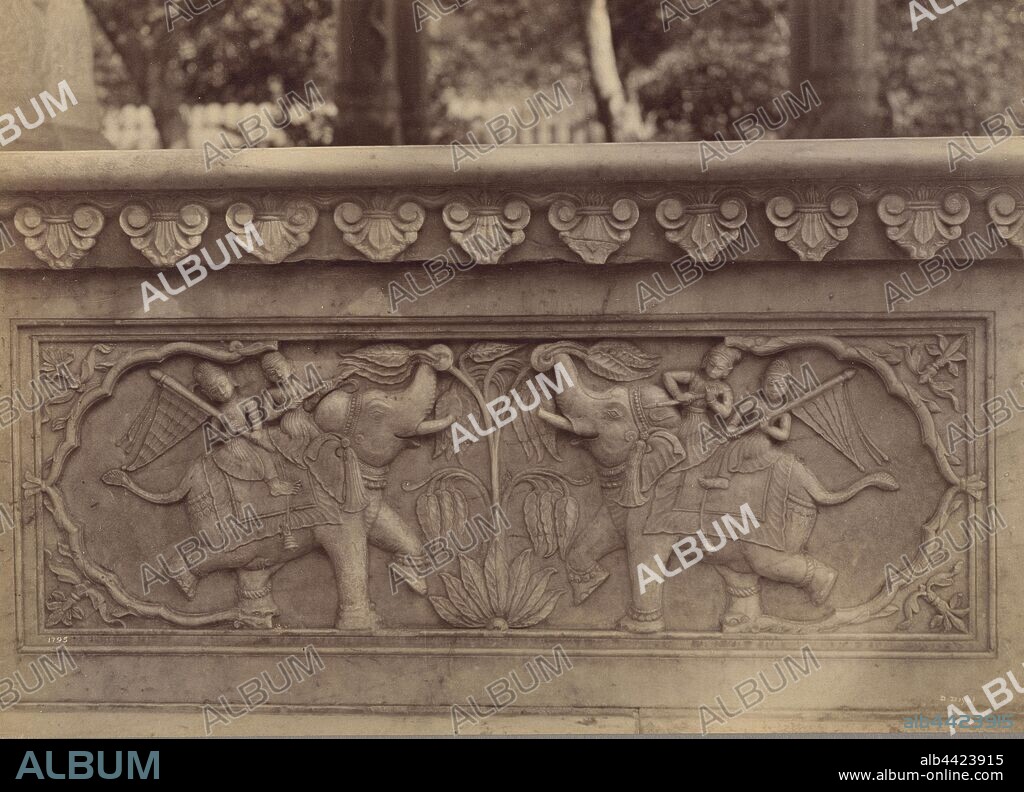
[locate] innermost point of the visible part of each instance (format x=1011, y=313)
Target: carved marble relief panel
x=466, y=485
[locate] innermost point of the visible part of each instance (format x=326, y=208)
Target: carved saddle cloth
x=227, y=496
x=683, y=506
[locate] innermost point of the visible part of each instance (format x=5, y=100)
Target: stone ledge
x=834, y=201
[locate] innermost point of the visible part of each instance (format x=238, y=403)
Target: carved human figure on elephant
x=653, y=495
x=340, y=457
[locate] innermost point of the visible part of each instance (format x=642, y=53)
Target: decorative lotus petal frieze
x=378, y=229
x=702, y=225
x=592, y=228
x=57, y=235
x=162, y=233
x=486, y=229
x=814, y=223
x=924, y=221
x=1007, y=212
x=282, y=225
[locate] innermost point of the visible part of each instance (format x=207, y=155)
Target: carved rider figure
x=247, y=454
x=706, y=389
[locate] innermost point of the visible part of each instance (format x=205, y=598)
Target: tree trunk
x=619, y=116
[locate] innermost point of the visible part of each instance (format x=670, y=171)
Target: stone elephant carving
x=632, y=432
x=327, y=474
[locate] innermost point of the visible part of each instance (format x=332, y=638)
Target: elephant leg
x=392, y=534
x=254, y=599
x=347, y=548
x=599, y=539
x=743, y=600
x=816, y=577
x=645, y=614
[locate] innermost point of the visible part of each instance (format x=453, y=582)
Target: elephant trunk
x=574, y=402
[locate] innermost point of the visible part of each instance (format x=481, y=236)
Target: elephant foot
x=642, y=621
x=361, y=619
x=819, y=581
x=737, y=623
x=255, y=602
x=583, y=584
x=743, y=610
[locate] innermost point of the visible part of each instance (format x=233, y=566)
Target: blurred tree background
x=684, y=84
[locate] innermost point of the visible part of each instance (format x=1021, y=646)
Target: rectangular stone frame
x=326, y=287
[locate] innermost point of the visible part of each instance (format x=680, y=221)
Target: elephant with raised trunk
x=316, y=474
x=656, y=492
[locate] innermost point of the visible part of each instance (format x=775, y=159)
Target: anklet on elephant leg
x=645, y=616
x=812, y=567
x=748, y=591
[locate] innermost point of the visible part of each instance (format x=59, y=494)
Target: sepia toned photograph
x=512, y=368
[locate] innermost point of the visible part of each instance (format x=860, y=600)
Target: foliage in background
x=690, y=82
x=250, y=51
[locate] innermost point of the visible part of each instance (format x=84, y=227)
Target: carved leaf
x=519, y=578
x=534, y=594
x=619, y=361
x=447, y=611
x=476, y=586
x=428, y=512
x=489, y=351
x=496, y=575
x=462, y=601
x=541, y=612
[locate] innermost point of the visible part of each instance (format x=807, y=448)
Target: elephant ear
x=664, y=453
x=620, y=361
x=648, y=461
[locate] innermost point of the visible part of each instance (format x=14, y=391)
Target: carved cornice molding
x=813, y=222
x=486, y=227
x=164, y=233
x=1007, y=212
x=703, y=225
x=593, y=227
x=380, y=229
x=925, y=220
x=283, y=225
x=618, y=203
x=59, y=234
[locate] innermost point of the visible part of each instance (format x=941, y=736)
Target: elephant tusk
x=557, y=421
x=431, y=427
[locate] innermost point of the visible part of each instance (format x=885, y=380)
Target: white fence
x=132, y=127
